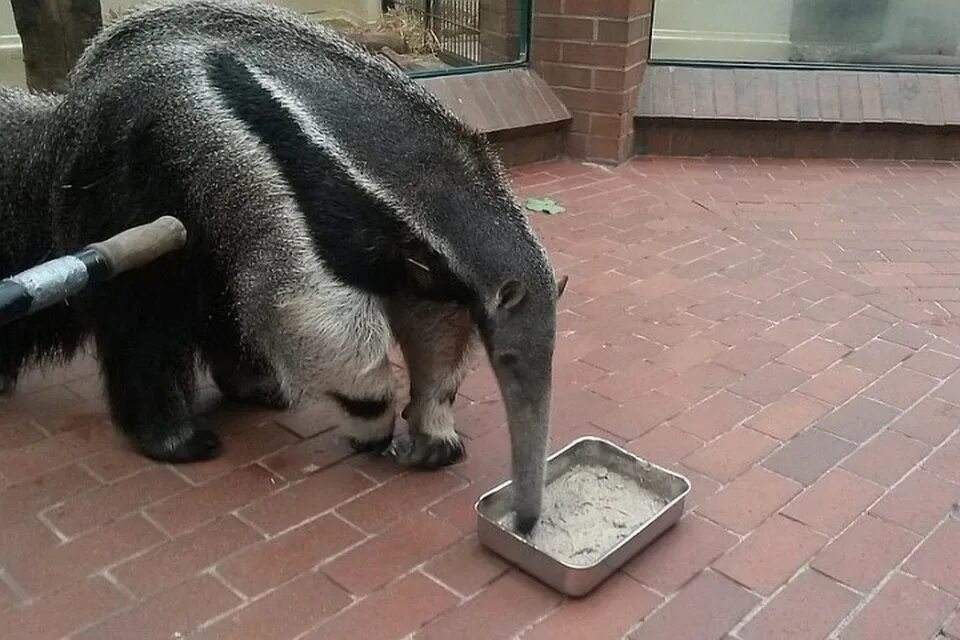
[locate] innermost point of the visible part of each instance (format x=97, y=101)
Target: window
x=837, y=33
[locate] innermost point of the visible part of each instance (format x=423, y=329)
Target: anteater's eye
x=508, y=359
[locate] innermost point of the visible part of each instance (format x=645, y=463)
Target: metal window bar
x=456, y=28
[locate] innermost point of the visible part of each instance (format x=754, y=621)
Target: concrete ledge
x=495, y=101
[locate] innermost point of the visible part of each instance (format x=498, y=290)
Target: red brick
x=933, y=363
x=886, y=458
x=793, y=331
x=931, y=421
x=50, y=569
x=243, y=444
x=689, y=353
x=679, y=554
x=814, y=356
x=467, y=567
x=192, y=508
x=708, y=607
x=901, y=387
x=608, y=614
x=856, y=331
x=865, y=553
x=307, y=457
x=858, y=420
x=768, y=383
x=731, y=454
x=750, y=355
x=19, y=465
x=779, y=307
x=68, y=610
x=316, y=494
x=749, y=500
x=110, y=502
x=699, y=382
x=375, y=511
x=16, y=434
x=837, y=384
x=834, y=308
x=807, y=609
x=904, y=608
x=670, y=330
x=457, y=508
x=116, y=464
x=639, y=415
x=615, y=357
x=575, y=374
x=715, y=416
x=878, y=356
x=23, y=500
x=624, y=386
x=701, y=489
x=788, y=416
x=24, y=538
x=833, y=502
x=171, y=614
x=283, y=614
x=185, y=556
x=503, y=609
x=564, y=27
x=736, y=329
x=919, y=503
x=272, y=562
x=937, y=561
x=403, y=546
x=665, y=445
x=395, y=612
x=771, y=554
x=946, y=461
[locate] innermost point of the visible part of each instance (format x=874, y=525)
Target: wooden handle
x=141, y=245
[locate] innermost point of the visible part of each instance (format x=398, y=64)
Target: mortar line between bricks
x=42, y=517
x=11, y=582
x=213, y=573
x=109, y=577
x=429, y=576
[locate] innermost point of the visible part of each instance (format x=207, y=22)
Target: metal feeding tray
x=645, y=500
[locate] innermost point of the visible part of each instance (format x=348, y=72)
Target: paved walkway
x=785, y=333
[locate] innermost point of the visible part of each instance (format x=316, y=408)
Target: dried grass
x=409, y=26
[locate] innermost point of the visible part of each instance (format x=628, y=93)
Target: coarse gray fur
x=359, y=212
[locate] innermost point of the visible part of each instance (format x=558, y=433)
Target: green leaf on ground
x=543, y=205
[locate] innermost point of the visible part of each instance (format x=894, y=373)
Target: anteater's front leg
x=435, y=339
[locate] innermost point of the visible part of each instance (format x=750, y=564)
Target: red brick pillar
x=593, y=53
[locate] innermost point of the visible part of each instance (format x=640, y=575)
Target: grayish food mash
x=587, y=511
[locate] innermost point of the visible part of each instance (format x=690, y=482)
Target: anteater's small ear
x=561, y=286
x=510, y=294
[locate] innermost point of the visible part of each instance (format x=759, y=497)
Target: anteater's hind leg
x=7, y=386
x=436, y=340
x=146, y=339
x=239, y=369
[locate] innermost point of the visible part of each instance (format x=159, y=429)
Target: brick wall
x=499, y=30
x=593, y=53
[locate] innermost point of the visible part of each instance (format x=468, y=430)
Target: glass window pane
x=861, y=32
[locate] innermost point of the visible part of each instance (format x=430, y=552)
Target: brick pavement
x=785, y=333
